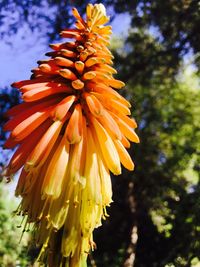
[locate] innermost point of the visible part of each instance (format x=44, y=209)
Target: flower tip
x=117, y=84
x=77, y=84
x=16, y=84
x=101, y=8
x=29, y=165
x=137, y=140
x=74, y=9
x=117, y=170
x=132, y=167
x=13, y=84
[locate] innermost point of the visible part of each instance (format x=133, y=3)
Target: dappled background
x=155, y=217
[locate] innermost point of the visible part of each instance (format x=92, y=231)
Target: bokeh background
x=155, y=217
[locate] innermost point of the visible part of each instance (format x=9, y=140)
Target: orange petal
x=29, y=87
x=39, y=93
x=68, y=53
x=77, y=84
x=27, y=82
x=77, y=16
x=68, y=74
x=74, y=127
x=43, y=148
x=107, y=147
x=107, y=91
x=102, y=40
x=126, y=129
x=112, y=104
x=116, y=83
x=124, y=156
x=69, y=34
x=110, y=125
x=79, y=65
x=91, y=61
x=10, y=143
x=102, y=54
x=63, y=107
x=50, y=68
x=129, y=121
x=28, y=125
x=83, y=55
x=120, y=107
x=61, y=61
x=89, y=11
x=17, y=109
x=101, y=77
x=21, y=154
x=125, y=142
x=106, y=68
x=79, y=25
x=90, y=49
x=105, y=30
x=94, y=105
x=57, y=46
x=24, y=114
x=89, y=75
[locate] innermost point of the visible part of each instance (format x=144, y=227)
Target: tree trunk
x=129, y=262
x=131, y=250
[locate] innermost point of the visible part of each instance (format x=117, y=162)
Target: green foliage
x=12, y=252
x=166, y=178
x=174, y=25
x=162, y=196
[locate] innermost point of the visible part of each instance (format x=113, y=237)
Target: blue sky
x=18, y=59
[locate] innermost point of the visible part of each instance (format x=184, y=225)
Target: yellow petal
x=106, y=186
x=124, y=156
x=108, y=149
x=110, y=125
x=126, y=129
x=92, y=172
x=56, y=170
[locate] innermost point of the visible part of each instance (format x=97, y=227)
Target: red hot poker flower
x=72, y=129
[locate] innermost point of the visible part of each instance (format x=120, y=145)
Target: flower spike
x=72, y=130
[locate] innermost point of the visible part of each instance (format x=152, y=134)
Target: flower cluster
x=72, y=129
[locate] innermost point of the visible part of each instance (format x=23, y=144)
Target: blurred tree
x=162, y=207
x=8, y=98
x=174, y=24
x=166, y=181
x=12, y=253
